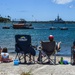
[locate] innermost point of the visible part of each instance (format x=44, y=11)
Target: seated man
x=51, y=39
x=5, y=56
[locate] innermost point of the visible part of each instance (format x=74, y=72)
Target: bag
x=65, y=62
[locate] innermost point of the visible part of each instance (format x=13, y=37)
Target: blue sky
x=39, y=10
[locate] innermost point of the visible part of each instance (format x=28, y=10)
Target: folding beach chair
x=48, y=50
x=72, y=55
x=23, y=47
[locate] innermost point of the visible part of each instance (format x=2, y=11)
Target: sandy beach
x=37, y=69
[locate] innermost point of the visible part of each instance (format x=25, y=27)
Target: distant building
x=58, y=19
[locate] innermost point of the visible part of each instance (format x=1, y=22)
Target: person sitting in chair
x=51, y=39
x=5, y=56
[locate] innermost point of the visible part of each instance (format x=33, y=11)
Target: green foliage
x=4, y=19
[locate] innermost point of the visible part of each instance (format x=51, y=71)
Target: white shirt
x=5, y=55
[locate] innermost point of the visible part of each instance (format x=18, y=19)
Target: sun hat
x=51, y=37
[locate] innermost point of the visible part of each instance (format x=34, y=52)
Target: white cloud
x=71, y=6
x=62, y=1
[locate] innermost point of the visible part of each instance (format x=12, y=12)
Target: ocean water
x=40, y=32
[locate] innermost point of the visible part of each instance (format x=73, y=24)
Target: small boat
x=64, y=28
x=22, y=26
x=6, y=27
x=52, y=28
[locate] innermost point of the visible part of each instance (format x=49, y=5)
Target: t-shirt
x=5, y=55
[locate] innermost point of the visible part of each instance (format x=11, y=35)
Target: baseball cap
x=51, y=37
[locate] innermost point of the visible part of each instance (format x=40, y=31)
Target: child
x=5, y=56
